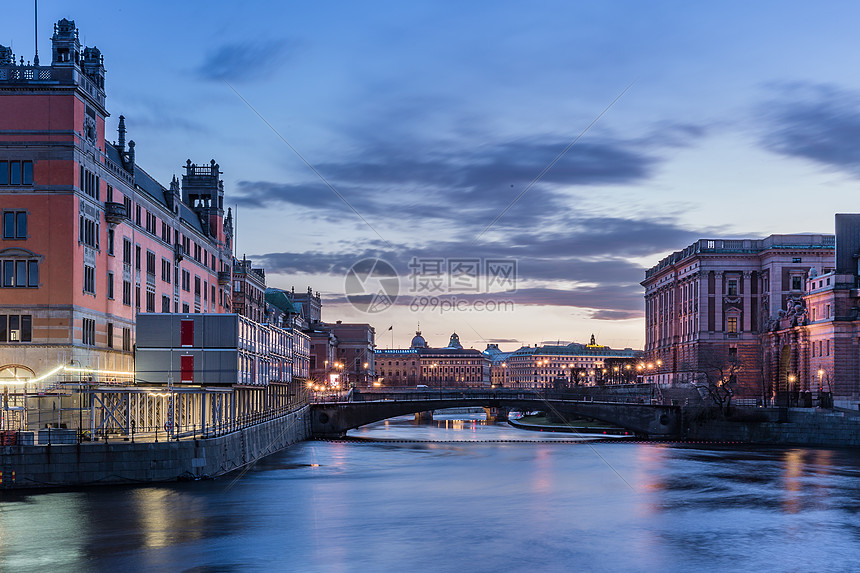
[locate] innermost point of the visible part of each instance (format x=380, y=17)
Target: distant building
x=554, y=366
x=451, y=366
x=355, y=352
x=499, y=373
x=249, y=290
x=713, y=301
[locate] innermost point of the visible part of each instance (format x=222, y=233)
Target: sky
x=514, y=166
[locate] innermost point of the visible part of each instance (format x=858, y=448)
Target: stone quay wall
x=118, y=462
x=801, y=427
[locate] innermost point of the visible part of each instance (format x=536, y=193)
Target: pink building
x=89, y=239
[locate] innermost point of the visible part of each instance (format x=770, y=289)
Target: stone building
x=89, y=239
x=420, y=364
x=812, y=344
x=550, y=366
x=713, y=301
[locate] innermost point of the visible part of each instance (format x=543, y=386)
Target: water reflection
x=464, y=495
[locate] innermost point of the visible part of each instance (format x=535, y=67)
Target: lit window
x=732, y=325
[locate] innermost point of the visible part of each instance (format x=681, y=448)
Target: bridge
x=333, y=419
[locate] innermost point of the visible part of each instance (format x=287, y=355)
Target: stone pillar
x=424, y=416
x=718, y=301
x=496, y=414
x=747, y=286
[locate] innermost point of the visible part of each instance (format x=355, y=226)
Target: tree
x=717, y=373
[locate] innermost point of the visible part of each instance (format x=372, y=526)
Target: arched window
x=14, y=374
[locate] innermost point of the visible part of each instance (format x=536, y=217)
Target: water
x=467, y=501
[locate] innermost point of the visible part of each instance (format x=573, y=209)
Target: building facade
x=89, y=240
x=713, y=301
x=451, y=366
x=555, y=366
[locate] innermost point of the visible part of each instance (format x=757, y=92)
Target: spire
x=121, y=129
x=36, y=31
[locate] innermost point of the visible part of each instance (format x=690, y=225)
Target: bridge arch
x=334, y=419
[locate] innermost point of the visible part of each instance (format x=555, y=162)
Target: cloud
x=817, y=122
x=587, y=250
x=242, y=61
x=616, y=314
x=465, y=187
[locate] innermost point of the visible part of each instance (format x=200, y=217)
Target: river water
x=462, y=496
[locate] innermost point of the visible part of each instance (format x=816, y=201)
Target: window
x=126, y=293
x=732, y=325
x=14, y=224
x=16, y=328
x=150, y=300
x=733, y=288
x=88, y=334
x=165, y=270
x=150, y=263
x=795, y=260
x=89, y=279
x=185, y=308
x=151, y=223
x=110, y=193
x=16, y=172
x=796, y=283
x=165, y=303
x=186, y=281
x=110, y=335
x=826, y=311
x=137, y=297
x=88, y=232
x=89, y=183
x=19, y=273
x=110, y=285
x=137, y=257
x=137, y=215
x=110, y=241
x=126, y=339
x=126, y=252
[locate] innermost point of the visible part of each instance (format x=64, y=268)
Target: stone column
x=718, y=301
x=747, y=285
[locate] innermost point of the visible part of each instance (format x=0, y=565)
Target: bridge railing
x=454, y=394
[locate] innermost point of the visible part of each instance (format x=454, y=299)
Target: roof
x=279, y=299
x=155, y=190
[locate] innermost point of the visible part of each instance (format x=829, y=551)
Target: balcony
x=115, y=213
x=224, y=277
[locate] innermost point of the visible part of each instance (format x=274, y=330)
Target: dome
x=418, y=341
x=455, y=342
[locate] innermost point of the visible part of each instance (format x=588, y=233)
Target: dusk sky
x=431, y=118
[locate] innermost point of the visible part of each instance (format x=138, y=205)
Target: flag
x=391, y=327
